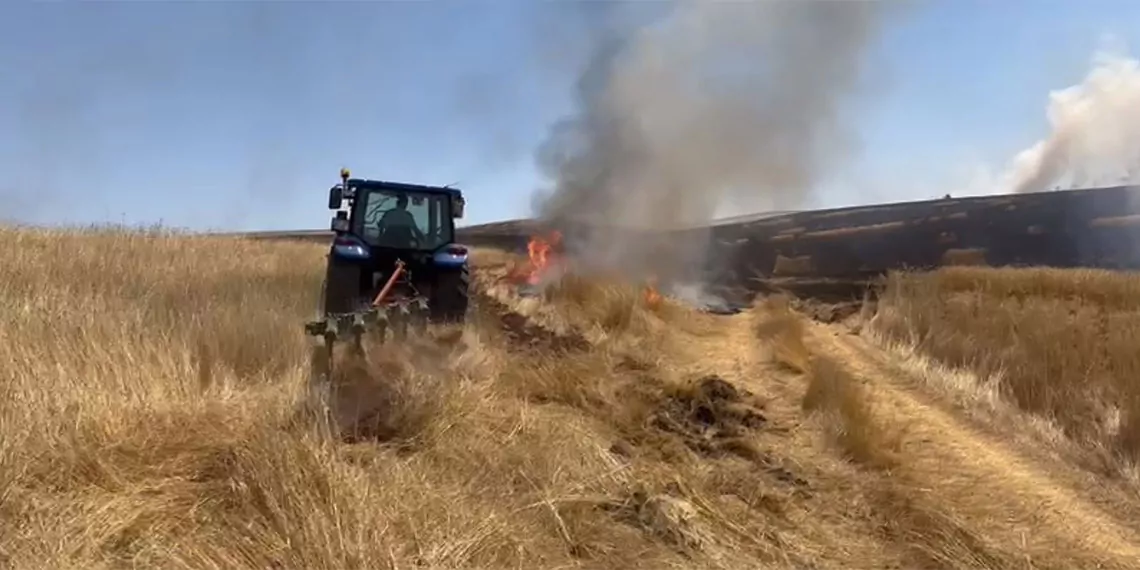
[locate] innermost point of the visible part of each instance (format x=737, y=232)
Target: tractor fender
x=451, y=258
x=350, y=247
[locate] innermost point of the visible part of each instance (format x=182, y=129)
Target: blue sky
x=237, y=115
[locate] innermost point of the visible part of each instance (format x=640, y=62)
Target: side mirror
x=335, y=197
x=457, y=205
x=339, y=222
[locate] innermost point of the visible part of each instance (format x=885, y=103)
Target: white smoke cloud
x=1094, y=137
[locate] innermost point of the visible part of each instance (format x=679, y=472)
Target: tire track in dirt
x=659, y=425
x=995, y=489
x=995, y=505
x=973, y=483
x=827, y=520
x=699, y=402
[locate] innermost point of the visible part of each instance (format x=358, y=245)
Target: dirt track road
x=994, y=487
x=949, y=492
x=973, y=483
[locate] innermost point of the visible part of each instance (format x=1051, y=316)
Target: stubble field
x=152, y=409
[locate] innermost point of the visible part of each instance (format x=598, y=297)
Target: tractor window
x=400, y=220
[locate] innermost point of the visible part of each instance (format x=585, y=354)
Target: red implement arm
x=391, y=282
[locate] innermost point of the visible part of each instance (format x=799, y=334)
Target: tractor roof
x=365, y=184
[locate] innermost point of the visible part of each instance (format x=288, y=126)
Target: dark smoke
x=711, y=102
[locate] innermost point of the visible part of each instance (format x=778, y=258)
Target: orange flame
x=541, y=255
x=652, y=296
x=538, y=250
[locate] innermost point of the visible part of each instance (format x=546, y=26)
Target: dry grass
x=832, y=389
x=937, y=486
x=610, y=304
x=908, y=512
x=1060, y=344
x=915, y=515
x=781, y=331
x=613, y=304
x=142, y=375
x=606, y=309
x=153, y=417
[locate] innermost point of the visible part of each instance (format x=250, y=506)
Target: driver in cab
x=398, y=225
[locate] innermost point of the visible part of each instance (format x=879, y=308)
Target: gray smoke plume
x=715, y=101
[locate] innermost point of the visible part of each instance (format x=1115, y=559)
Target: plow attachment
x=409, y=311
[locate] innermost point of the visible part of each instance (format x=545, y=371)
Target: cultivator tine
x=420, y=316
x=399, y=317
x=359, y=329
x=374, y=321
x=382, y=326
x=328, y=352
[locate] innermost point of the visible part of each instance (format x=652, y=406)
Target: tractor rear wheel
x=341, y=289
x=450, y=298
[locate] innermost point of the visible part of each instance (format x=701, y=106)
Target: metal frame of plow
x=352, y=329
x=372, y=322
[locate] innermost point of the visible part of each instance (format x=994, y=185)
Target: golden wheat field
x=153, y=415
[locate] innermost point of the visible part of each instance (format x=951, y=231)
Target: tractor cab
x=395, y=215
x=394, y=250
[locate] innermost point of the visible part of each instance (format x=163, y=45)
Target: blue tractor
x=393, y=261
